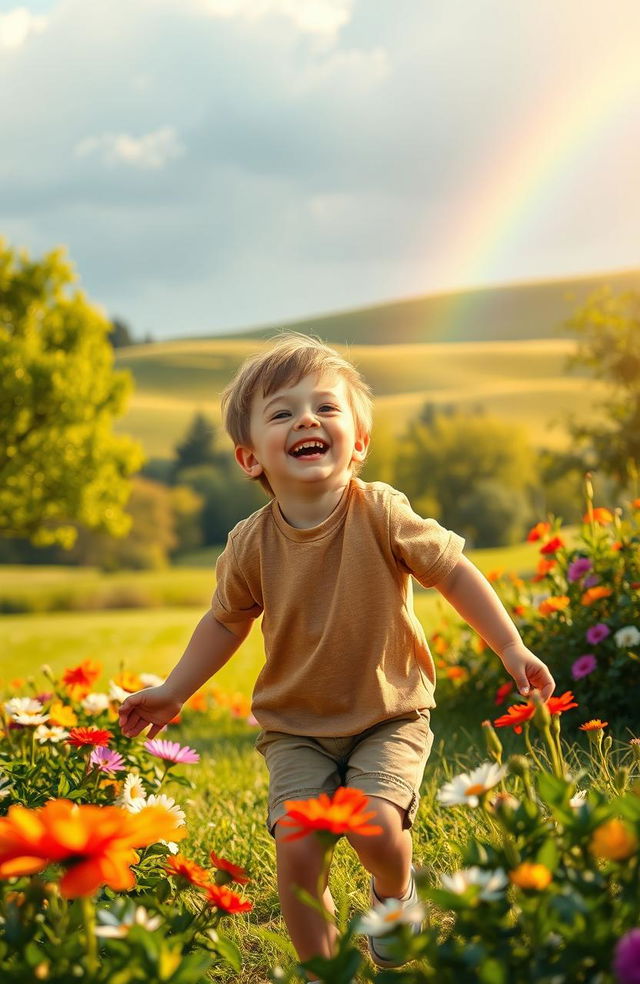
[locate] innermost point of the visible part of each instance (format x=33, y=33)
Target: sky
x=211, y=165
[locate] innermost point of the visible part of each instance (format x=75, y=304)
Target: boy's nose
x=307, y=419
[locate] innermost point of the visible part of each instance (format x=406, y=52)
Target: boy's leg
x=386, y=856
x=299, y=865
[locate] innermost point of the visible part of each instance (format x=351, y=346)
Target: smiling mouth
x=306, y=449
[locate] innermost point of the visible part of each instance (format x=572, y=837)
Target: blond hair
x=292, y=357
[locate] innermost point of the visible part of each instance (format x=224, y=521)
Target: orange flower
x=516, y=715
x=439, y=644
x=62, y=715
x=636, y=504
x=240, y=706
x=237, y=873
x=223, y=898
x=543, y=568
x=457, y=673
x=558, y=705
x=343, y=813
x=519, y=609
x=197, y=701
x=189, y=871
x=532, y=876
x=538, y=531
x=600, y=515
x=495, y=575
x=594, y=725
x=94, y=843
x=593, y=594
x=556, y=603
x=17, y=683
x=552, y=546
x=84, y=675
x=130, y=682
x=613, y=840
x=89, y=736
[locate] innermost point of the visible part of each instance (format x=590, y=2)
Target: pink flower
x=597, y=633
x=583, y=666
x=578, y=568
x=591, y=581
x=106, y=759
x=627, y=958
x=171, y=751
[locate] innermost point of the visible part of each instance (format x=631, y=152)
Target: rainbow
x=529, y=169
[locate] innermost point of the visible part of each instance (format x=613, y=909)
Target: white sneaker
x=408, y=911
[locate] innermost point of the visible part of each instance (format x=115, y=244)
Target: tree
x=120, y=334
x=608, y=333
x=198, y=445
x=472, y=472
x=60, y=463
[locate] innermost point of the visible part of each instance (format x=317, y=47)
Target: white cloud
x=149, y=152
x=321, y=17
x=17, y=25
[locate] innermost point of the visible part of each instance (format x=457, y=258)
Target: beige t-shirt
x=344, y=649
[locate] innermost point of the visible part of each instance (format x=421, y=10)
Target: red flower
x=516, y=715
x=552, y=546
x=557, y=705
x=89, y=736
x=223, y=898
x=343, y=813
x=502, y=692
x=237, y=873
x=538, y=531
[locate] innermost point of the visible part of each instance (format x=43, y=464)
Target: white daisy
x=469, y=786
x=492, y=883
x=95, y=703
x=170, y=805
x=384, y=917
x=133, y=796
x=150, y=680
x=117, y=693
x=113, y=928
x=52, y=733
x=30, y=718
x=22, y=705
x=627, y=637
x=579, y=799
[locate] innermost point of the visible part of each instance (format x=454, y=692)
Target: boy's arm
x=475, y=600
x=209, y=648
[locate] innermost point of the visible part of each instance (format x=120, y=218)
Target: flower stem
x=89, y=919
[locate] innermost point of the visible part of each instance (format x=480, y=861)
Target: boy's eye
x=326, y=407
x=280, y=414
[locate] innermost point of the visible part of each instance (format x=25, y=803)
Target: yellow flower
x=613, y=840
x=62, y=715
x=529, y=875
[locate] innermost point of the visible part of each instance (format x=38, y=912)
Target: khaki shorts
x=387, y=760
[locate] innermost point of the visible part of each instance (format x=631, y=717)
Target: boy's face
x=303, y=434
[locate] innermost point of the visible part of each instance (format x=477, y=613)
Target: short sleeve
x=426, y=549
x=232, y=600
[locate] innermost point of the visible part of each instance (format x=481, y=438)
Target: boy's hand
x=154, y=706
x=529, y=672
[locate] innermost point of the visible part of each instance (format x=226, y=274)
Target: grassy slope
x=523, y=381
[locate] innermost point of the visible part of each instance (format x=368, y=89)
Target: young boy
x=345, y=693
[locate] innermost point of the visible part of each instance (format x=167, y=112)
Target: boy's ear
x=360, y=447
x=248, y=462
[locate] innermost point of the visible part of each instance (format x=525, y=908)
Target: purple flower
x=626, y=961
x=597, y=633
x=106, y=759
x=583, y=666
x=579, y=567
x=591, y=581
x=171, y=751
